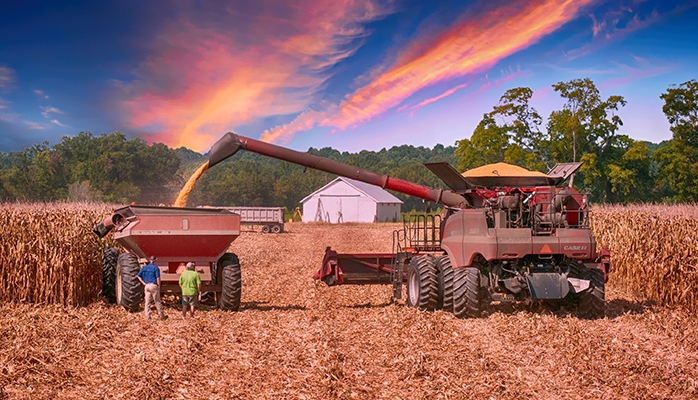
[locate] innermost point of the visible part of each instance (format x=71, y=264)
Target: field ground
x=294, y=340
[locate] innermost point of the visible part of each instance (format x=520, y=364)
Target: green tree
x=678, y=161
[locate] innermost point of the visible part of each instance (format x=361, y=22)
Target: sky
x=349, y=74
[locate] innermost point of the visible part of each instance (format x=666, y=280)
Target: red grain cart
x=175, y=236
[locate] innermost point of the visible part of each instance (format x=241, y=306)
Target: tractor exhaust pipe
x=231, y=143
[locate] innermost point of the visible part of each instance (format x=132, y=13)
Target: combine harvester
x=504, y=236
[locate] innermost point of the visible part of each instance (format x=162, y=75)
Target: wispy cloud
x=210, y=73
x=47, y=110
x=34, y=125
x=7, y=77
x=413, y=109
x=472, y=45
x=41, y=94
x=56, y=122
x=642, y=69
x=3, y=103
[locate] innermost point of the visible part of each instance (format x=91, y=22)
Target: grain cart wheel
x=232, y=282
x=466, y=292
x=444, y=300
x=129, y=291
x=266, y=229
x=111, y=254
x=592, y=302
x=276, y=229
x=422, y=287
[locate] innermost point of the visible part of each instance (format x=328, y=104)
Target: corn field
x=654, y=250
x=48, y=253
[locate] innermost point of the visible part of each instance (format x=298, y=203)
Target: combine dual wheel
x=466, y=293
x=444, y=277
x=228, y=269
x=591, y=303
x=422, y=285
x=129, y=291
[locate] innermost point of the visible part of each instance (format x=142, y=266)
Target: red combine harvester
x=174, y=236
x=501, y=238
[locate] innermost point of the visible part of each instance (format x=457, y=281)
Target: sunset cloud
x=472, y=45
x=204, y=78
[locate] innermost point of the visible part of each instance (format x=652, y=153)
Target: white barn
x=348, y=200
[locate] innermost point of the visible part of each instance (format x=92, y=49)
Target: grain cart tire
x=444, y=300
x=466, y=292
x=276, y=229
x=111, y=254
x=422, y=286
x=232, y=282
x=592, y=302
x=266, y=229
x=129, y=290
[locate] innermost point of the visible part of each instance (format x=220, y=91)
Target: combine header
x=505, y=235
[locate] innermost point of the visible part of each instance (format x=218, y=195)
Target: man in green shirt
x=190, y=282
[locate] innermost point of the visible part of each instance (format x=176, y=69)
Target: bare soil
x=295, y=340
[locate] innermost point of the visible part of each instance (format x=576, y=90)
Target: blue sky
x=350, y=74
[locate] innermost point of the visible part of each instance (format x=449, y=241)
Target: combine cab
x=507, y=234
x=174, y=236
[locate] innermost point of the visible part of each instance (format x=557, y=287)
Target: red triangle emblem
x=546, y=249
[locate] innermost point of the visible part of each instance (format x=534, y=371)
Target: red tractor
x=503, y=237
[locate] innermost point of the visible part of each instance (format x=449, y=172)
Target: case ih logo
x=575, y=247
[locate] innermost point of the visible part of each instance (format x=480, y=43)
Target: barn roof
x=376, y=193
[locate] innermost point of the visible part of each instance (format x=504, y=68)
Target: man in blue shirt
x=150, y=278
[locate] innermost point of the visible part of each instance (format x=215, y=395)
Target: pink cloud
x=472, y=45
x=204, y=78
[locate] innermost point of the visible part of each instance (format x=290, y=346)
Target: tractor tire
x=111, y=254
x=466, y=293
x=444, y=300
x=592, y=302
x=129, y=290
x=276, y=229
x=266, y=229
x=422, y=286
x=231, y=279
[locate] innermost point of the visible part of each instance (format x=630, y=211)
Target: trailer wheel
x=592, y=302
x=422, y=286
x=444, y=300
x=466, y=292
x=276, y=229
x=111, y=255
x=229, y=299
x=129, y=291
x=266, y=229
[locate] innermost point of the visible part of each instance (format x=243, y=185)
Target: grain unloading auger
x=504, y=236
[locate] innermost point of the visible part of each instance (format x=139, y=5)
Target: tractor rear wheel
x=129, y=290
x=592, y=302
x=422, y=286
x=466, y=292
x=231, y=278
x=444, y=300
x=111, y=254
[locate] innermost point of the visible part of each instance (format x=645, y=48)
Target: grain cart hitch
x=506, y=234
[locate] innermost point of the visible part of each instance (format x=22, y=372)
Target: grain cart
x=174, y=236
x=503, y=237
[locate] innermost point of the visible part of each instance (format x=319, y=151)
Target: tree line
x=616, y=168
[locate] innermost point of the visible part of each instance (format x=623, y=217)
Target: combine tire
x=422, y=286
x=232, y=282
x=444, y=300
x=129, y=291
x=266, y=229
x=111, y=254
x=466, y=292
x=592, y=302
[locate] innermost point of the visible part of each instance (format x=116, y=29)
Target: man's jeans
x=152, y=293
